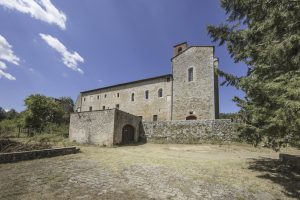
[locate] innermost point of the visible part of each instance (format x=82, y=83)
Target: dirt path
x=153, y=172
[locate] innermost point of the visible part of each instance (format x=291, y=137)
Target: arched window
x=191, y=74
x=160, y=92
x=132, y=97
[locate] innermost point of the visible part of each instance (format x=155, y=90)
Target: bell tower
x=195, y=91
x=179, y=48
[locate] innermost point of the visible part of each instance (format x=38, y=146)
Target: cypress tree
x=265, y=35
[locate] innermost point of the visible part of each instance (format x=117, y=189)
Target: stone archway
x=128, y=134
x=191, y=117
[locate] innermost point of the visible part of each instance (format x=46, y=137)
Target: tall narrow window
x=98, y=97
x=154, y=118
x=191, y=74
x=118, y=94
x=91, y=108
x=132, y=97
x=84, y=99
x=105, y=96
x=103, y=107
x=147, y=94
x=160, y=92
x=117, y=106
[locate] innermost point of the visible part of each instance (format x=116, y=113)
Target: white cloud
x=7, y=55
x=42, y=10
x=69, y=59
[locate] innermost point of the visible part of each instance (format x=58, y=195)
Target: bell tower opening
x=179, y=48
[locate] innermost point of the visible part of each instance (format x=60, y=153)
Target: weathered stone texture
x=36, y=154
x=122, y=119
x=197, y=96
x=154, y=105
x=190, y=132
x=181, y=98
x=95, y=127
x=102, y=128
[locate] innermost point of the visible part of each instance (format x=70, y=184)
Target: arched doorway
x=127, y=134
x=191, y=117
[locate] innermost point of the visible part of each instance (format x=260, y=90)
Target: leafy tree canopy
x=2, y=114
x=42, y=110
x=265, y=35
x=12, y=114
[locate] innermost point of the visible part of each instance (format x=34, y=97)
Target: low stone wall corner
x=36, y=154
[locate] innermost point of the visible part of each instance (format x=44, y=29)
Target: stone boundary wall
x=190, y=132
x=121, y=119
x=95, y=127
x=36, y=154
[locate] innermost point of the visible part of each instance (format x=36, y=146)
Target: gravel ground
x=154, y=171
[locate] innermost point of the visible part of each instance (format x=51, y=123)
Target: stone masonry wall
x=196, y=97
x=190, y=132
x=36, y=154
x=122, y=119
x=121, y=95
x=95, y=127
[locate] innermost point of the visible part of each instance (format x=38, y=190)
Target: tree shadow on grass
x=279, y=173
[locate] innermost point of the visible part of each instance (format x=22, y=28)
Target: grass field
x=154, y=171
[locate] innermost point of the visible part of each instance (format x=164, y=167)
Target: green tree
x=265, y=35
x=12, y=114
x=232, y=116
x=42, y=110
x=67, y=105
x=2, y=114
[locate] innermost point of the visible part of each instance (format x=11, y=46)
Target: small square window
x=155, y=118
x=168, y=79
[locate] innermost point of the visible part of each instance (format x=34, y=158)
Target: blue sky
x=77, y=45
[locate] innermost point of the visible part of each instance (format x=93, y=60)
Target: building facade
x=190, y=92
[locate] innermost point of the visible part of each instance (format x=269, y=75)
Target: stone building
x=189, y=93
